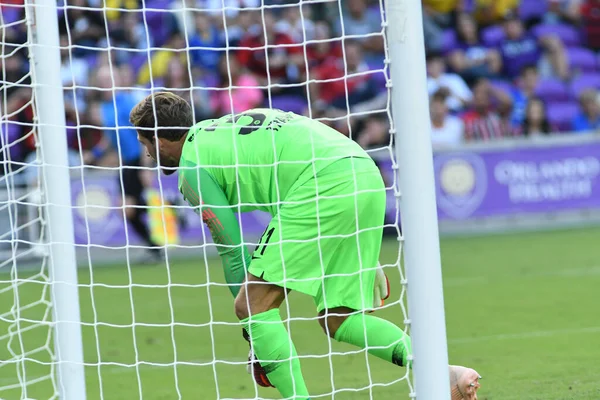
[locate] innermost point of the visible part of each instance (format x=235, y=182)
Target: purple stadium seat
x=583, y=82
x=377, y=73
x=158, y=21
x=9, y=135
x=562, y=114
x=288, y=103
x=11, y=14
x=449, y=40
x=581, y=60
x=469, y=6
x=493, y=35
x=552, y=91
x=137, y=61
x=569, y=35
x=505, y=86
x=531, y=9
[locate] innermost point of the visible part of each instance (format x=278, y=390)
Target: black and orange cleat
x=254, y=368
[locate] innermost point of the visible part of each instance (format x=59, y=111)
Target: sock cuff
x=271, y=315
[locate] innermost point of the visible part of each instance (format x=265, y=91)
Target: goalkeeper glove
x=381, y=290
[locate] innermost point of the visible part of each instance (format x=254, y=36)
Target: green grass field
x=523, y=309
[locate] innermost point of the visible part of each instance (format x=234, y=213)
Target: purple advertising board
x=99, y=218
x=469, y=185
x=520, y=181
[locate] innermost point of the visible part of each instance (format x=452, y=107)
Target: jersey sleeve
x=200, y=191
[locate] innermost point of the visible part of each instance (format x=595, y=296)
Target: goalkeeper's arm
x=201, y=191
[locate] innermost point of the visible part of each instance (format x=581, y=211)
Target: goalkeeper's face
x=163, y=152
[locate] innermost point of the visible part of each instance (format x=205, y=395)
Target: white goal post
x=40, y=270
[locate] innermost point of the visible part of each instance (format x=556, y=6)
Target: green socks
x=277, y=354
x=383, y=339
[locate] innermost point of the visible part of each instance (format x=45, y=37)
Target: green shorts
x=325, y=239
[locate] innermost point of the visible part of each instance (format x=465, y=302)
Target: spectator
x=179, y=80
x=339, y=85
x=84, y=25
x=568, y=11
x=459, y=94
x=113, y=8
x=244, y=94
x=446, y=130
x=286, y=61
x=127, y=80
x=471, y=59
x=525, y=89
x=535, y=123
x=372, y=132
x=488, y=12
x=299, y=26
x=128, y=33
x=436, y=17
x=358, y=20
x=119, y=136
x=323, y=48
x=482, y=122
x=589, y=118
x=521, y=48
x=73, y=70
x=160, y=59
x=590, y=13
x=247, y=23
x=74, y=73
x=206, y=45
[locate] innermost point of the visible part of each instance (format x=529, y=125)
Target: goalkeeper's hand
x=381, y=290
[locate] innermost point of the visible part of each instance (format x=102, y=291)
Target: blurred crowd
x=115, y=55
x=495, y=69
x=512, y=68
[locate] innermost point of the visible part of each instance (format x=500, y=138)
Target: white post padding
x=410, y=109
x=51, y=130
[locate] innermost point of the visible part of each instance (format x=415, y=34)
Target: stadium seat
x=583, y=82
x=532, y=9
x=289, y=103
x=137, y=61
x=553, y=90
x=449, y=40
x=11, y=14
x=492, y=36
x=160, y=22
x=569, y=35
x=581, y=60
x=561, y=114
x=10, y=133
x=505, y=86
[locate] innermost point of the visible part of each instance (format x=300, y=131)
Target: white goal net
x=160, y=324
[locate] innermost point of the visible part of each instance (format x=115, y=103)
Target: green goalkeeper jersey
x=251, y=161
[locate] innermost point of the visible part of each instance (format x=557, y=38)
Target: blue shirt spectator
x=582, y=123
x=205, y=44
x=120, y=133
x=589, y=118
x=525, y=89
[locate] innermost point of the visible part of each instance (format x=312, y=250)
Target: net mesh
x=166, y=329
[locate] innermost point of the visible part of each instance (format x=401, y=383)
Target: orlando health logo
x=461, y=183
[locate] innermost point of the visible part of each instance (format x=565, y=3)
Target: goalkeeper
x=327, y=200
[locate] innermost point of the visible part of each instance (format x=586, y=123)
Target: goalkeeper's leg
x=387, y=341
x=257, y=307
